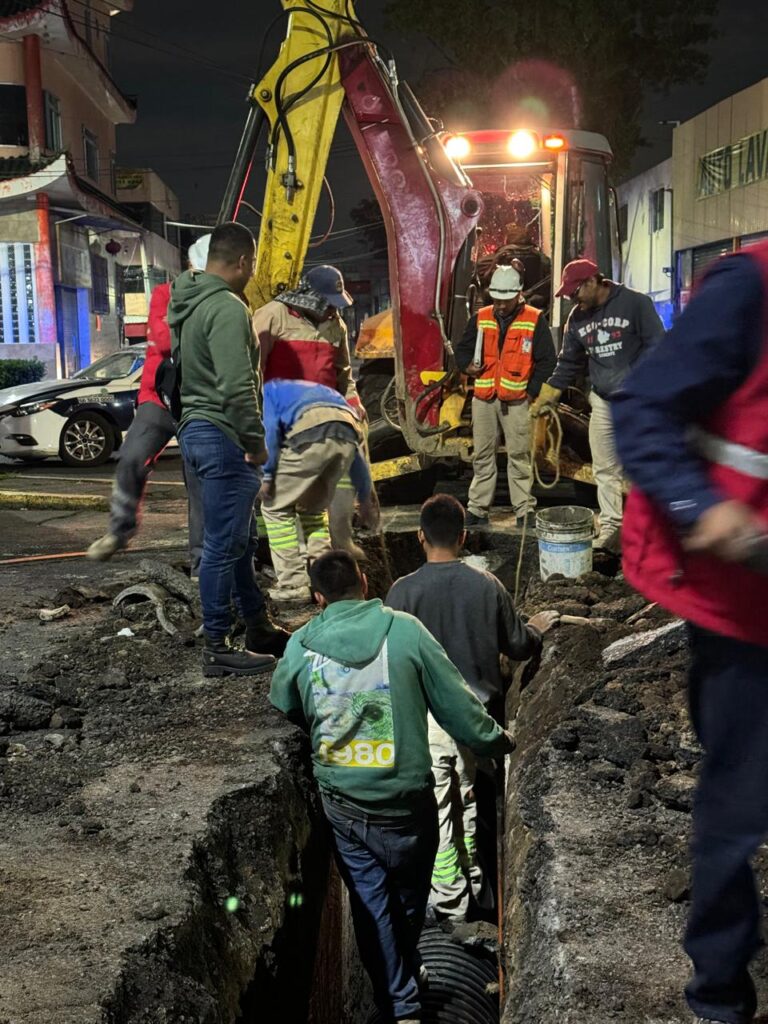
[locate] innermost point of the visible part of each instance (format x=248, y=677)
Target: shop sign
x=741, y=163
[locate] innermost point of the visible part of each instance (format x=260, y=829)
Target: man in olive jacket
x=222, y=440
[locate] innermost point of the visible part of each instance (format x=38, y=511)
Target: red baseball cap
x=575, y=273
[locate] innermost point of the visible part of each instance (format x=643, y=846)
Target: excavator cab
x=546, y=199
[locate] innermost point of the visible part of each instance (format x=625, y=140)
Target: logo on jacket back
x=354, y=712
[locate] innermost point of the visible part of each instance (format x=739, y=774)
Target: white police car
x=81, y=420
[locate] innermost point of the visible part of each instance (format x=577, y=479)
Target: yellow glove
x=548, y=397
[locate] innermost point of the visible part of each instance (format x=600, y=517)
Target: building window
x=658, y=203
x=623, y=223
x=53, y=141
x=18, y=320
x=13, y=116
x=113, y=173
x=100, y=284
x=91, y=155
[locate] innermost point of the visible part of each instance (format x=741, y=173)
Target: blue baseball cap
x=329, y=283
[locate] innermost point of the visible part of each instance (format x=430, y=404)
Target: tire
x=87, y=439
x=373, y=378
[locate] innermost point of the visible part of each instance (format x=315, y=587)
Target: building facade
x=715, y=198
x=71, y=252
x=645, y=227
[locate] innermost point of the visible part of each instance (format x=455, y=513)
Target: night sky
x=190, y=70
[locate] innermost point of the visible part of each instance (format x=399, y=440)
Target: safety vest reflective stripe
x=506, y=372
x=731, y=455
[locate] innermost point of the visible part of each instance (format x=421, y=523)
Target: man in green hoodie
x=361, y=678
x=222, y=440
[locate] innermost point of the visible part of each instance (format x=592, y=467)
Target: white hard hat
x=506, y=283
x=198, y=252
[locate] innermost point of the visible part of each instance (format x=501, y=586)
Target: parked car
x=82, y=420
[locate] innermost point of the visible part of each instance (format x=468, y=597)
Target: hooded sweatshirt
x=364, y=677
x=607, y=340
x=219, y=358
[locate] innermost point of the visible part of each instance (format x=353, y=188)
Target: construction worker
x=469, y=612
x=222, y=440
x=609, y=328
x=149, y=433
x=520, y=247
x=303, y=337
x=314, y=440
x=692, y=431
x=360, y=678
x=507, y=349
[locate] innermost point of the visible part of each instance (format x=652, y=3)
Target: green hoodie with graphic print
x=364, y=677
x=220, y=379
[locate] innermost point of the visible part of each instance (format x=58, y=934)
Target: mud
x=598, y=818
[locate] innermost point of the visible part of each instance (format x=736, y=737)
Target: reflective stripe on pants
x=455, y=869
x=305, y=483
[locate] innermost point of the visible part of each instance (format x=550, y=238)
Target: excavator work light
x=457, y=147
x=522, y=144
x=554, y=142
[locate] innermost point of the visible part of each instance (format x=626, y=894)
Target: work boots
x=262, y=635
x=102, y=549
x=221, y=659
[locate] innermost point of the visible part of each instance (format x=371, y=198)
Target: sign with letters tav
x=741, y=163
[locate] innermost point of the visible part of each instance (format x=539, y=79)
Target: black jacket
x=607, y=341
x=544, y=358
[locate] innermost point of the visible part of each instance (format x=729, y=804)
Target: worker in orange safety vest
x=507, y=349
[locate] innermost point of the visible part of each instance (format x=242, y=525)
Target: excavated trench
x=165, y=859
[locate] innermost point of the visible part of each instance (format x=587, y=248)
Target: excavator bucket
x=376, y=338
x=301, y=95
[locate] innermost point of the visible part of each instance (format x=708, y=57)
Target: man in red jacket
x=692, y=433
x=151, y=430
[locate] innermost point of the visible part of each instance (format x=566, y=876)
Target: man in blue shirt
x=314, y=438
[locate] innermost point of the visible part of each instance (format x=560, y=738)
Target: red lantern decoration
x=113, y=247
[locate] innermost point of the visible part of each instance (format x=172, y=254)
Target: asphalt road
x=168, y=469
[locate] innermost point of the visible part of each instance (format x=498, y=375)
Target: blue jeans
x=229, y=487
x=386, y=864
x=729, y=709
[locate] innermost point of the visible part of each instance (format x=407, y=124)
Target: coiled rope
x=553, y=441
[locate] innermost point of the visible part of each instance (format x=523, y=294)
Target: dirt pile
x=598, y=815
x=160, y=847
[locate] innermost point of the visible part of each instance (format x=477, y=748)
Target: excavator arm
x=428, y=205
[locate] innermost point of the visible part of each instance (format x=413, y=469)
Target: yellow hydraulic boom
x=301, y=96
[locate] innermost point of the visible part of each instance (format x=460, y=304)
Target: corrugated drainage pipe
x=463, y=983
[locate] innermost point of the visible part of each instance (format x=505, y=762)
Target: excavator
x=449, y=203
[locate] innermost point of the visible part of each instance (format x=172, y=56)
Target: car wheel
x=87, y=440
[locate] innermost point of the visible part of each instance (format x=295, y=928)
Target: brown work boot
x=291, y=595
x=102, y=549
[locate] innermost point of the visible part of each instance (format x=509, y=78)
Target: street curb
x=41, y=499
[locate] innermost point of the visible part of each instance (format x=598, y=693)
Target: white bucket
x=565, y=541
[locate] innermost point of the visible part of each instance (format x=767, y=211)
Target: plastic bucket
x=565, y=540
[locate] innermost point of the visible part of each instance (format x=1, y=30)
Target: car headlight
x=32, y=408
